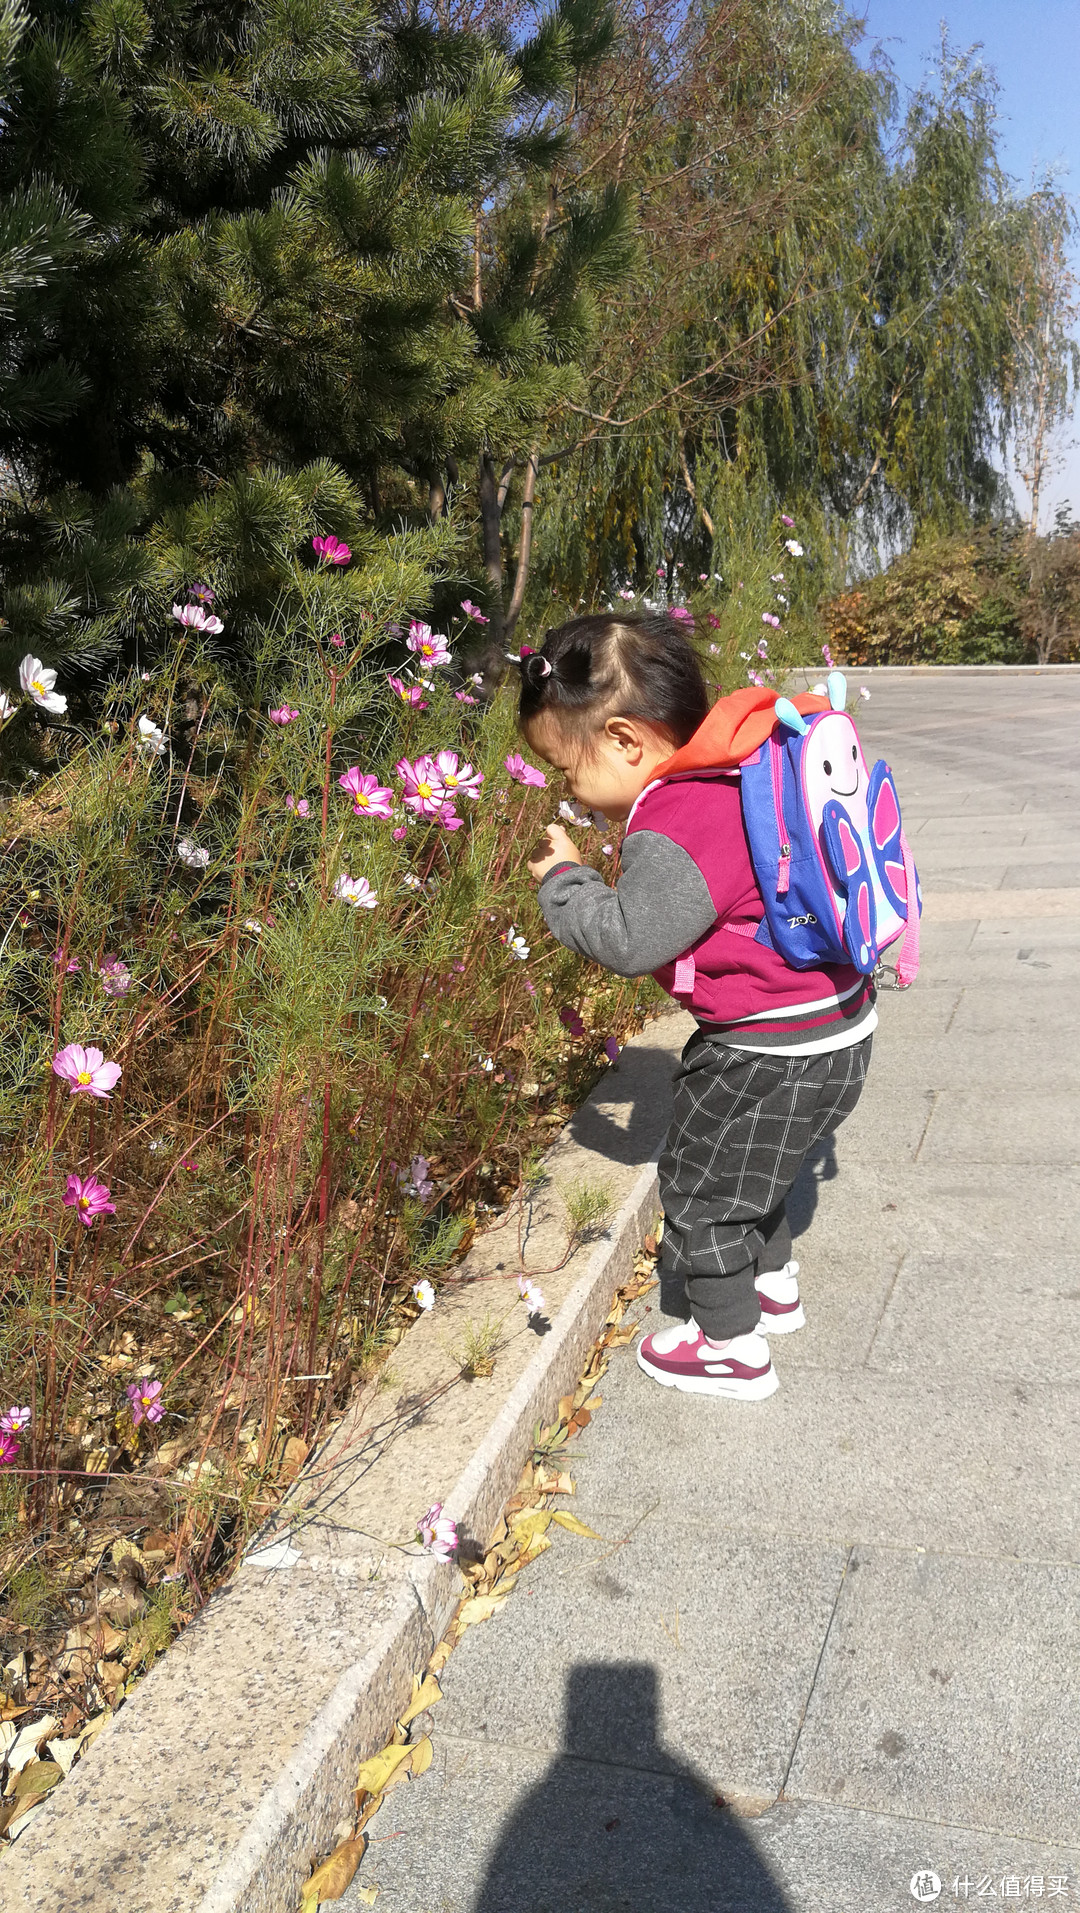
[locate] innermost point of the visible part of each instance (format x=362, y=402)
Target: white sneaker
x=682, y=1357
x=778, y=1293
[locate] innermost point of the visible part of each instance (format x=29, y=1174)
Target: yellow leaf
x=375, y=1773
x=367, y=1895
x=425, y=1693
x=530, y=1523
x=480, y=1608
x=535, y=1547
x=573, y=1526
x=423, y=1753
x=37, y=1777
x=329, y=1881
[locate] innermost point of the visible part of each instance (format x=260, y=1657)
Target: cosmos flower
x=331, y=550
x=145, y=1399
x=431, y=647
x=191, y=854
x=370, y=798
x=14, y=1420
x=355, y=891
x=456, y=777
x=85, y=1071
x=89, y=1198
x=195, y=617
x=38, y=683
x=473, y=611
x=8, y=707
x=515, y=943
x=151, y=740
x=680, y=612
x=437, y=1534
x=115, y=976
x=283, y=715
x=411, y=694
x=424, y=1295
x=523, y=773
x=531, y=1296
x=793, y=545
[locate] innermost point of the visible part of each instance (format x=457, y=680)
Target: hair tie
x=527, y=651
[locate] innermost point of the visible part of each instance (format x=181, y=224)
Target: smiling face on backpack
x=833, y=766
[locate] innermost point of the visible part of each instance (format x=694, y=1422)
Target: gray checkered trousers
x=742, y=1127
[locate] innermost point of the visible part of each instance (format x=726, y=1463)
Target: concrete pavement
x=852, y=1611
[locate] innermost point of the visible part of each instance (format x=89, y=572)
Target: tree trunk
x=525, y=549
x=489, y=520
x=436, y=496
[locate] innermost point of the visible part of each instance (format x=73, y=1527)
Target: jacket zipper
x=776, y=765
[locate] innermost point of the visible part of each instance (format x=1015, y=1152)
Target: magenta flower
x=827, y=655
x=195, y=618
x=431, y=647
x=331, y=550
x=424, y=792
x=14, y=1420
x=70, y=966
x=572, y=1021
x=473, y=611
x=371, y=798
x=611, y=1049
x=283, y=715
x=464, y=698
x=437, y=1534
x=86, y=1070
x=523, y=773
x=202, y=594
x=449, y=818
x=115, y=976
x=412, y=694
x=89, y=1199
x=770, y=617
x=400, y=832
x=301, y=808
x=785, y=520
x=530, y=986
x=337, y=641
x=456, y=777
x=9, y=1450
x=146, y=1404
x=679, y=611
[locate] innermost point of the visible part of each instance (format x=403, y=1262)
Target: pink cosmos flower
x=430, y=646
x=85, y=1070
x=371, y=799
x=464, y=698
x=70, y=966
x=785, y=520
x=146, y=1404
x=449, y=818
x=115, y=976
x=770, y=617
x=337, y=641
x=331, y=550
x=282, y=715
x=455, y=777
x=300, y=807
x=755, y=679
x=679, y=611
x=14, y=1420
x=399, y=833
x=660, y=571
x=424, y=792
x=863, y=692
x=412, y=694
x=202, y=594
x=714, y=621
x=9, y=1449
x=530, y=986
x=473, y=611
x=827, y=655
x=89, y=1198
x=195, y=618
x=437, y=1534
x=355, y=891
x=523, y=773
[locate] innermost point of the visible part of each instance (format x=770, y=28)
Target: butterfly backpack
x=827, y=843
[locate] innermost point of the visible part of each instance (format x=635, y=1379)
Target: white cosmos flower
x=820, y=690
x=575, y=813
x=487, y=1063
x=151, y=740
x=7, y=708
x=190, y=854
x=793, y=545
x=38, y=684
x=424, y=1294
x=531, y=1296
x=515, y=943
x=355, y=891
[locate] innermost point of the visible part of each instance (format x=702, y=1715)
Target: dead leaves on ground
x=520, y=1536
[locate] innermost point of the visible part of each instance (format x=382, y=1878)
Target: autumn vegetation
x=331, y=333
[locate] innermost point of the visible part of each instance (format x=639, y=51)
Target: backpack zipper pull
x=783, y=875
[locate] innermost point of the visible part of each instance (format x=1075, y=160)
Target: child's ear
x=627, y=737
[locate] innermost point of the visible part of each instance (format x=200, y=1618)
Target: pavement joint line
x=868, y=1359
x=935, y=1096
x=817, y=1669
x=924, y=1820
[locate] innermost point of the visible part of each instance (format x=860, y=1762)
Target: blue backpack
x=828, y=845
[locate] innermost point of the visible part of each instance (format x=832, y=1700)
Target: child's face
x=610, y=772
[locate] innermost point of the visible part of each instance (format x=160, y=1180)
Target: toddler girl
x=779, y=1056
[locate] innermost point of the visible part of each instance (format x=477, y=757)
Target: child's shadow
x=620, y=1825
x=819, y=1165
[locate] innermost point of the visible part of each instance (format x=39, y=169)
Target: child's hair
x=604, y=665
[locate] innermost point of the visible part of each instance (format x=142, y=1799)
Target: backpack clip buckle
x=886, y=977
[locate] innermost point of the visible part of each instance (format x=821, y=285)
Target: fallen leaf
x=566, y=1407
x=64, y=1752
x=423, y=1753
x=334, y=1876
x=425, y=1693
x=573, y=1526
x=24, y=1748
x=37, y=1777
x=532, y=1523
x=620, y=1336
x=535, y=1547
x=375, y=1773
x=293, y=1459
x=439, y=1657
x=650, y=1245
x=367, y=1895
x=480, y=1608
x=8, y=1709
x=93, y=1727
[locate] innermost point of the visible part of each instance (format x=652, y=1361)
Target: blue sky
x=1033, y=47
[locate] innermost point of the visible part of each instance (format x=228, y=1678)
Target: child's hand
x=555, y=847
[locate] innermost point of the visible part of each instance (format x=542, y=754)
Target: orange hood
x=734, y=729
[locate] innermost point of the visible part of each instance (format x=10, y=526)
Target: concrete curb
x=229, y=1768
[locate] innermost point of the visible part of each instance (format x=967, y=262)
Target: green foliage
x=949, y=600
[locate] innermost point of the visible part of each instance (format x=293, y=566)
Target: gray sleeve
x=659, y=907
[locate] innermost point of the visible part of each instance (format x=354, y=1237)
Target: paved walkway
x=853, y=1610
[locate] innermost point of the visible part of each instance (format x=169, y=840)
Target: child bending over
x=779, y=1055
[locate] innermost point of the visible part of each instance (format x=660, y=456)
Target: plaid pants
x=742, y=1125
